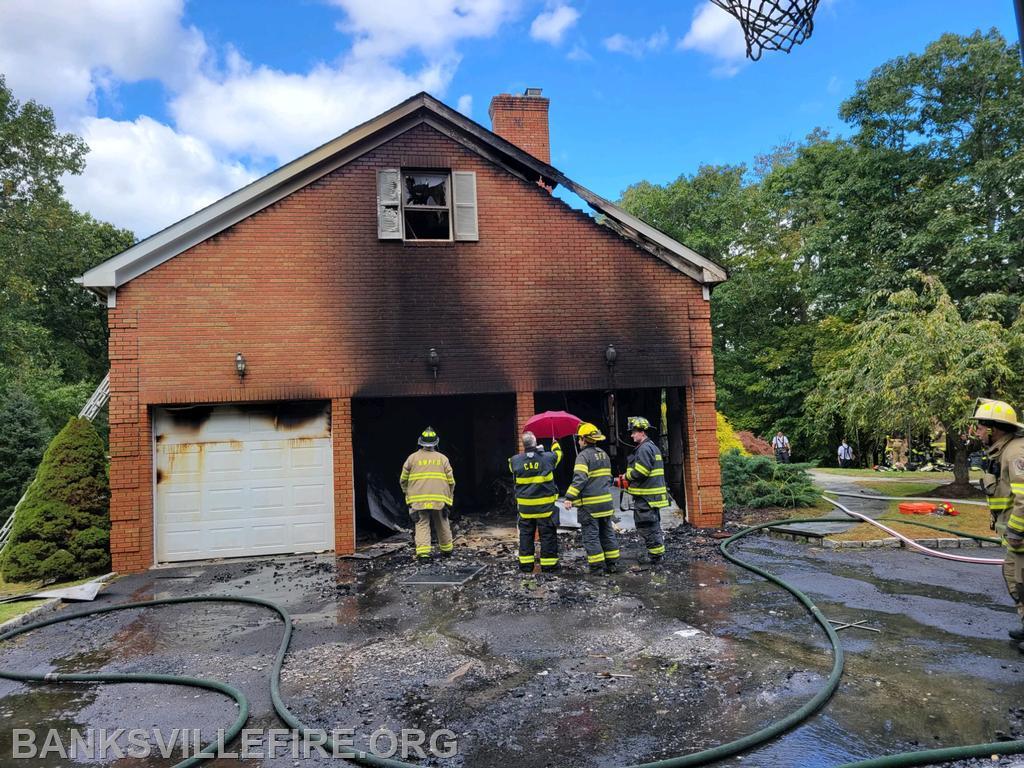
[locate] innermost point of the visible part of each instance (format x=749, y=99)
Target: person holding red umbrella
x=536, y=494
x=592, y=487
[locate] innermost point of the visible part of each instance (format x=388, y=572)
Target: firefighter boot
x=1017, y=634
x=611, y=566
x=596, y=568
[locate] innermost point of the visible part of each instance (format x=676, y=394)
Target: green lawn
x=902, y=488
x=938, y=477
x=10, y=611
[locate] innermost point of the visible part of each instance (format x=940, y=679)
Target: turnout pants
x=548, y=528
x=442, y=527
x=599, y=538
x=1013, y=574
x=648, y=525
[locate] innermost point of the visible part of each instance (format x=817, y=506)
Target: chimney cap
x=532, y=92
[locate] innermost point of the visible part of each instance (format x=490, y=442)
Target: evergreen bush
x=62, y=530
x=755, y=482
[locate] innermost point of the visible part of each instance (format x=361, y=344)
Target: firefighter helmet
x=996, y=411
x=589, y=432
x=429, y=438
x=638, y=423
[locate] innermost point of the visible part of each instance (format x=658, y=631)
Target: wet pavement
x=563, y=671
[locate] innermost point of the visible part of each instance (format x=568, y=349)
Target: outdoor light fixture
x=240, y=365
x=434, y=361
x=610, y=356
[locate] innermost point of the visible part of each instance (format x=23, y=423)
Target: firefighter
x=428, y=484
x=592, y=486
x=645, y=482
x=1003, y=483
x=536, y=494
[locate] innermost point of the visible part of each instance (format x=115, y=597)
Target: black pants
x=548, y=527
x=599, y=538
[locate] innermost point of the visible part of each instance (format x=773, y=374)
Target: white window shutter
x=464, y=184
x=389, y=204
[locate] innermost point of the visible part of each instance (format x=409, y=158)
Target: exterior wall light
x=610, y=356
x=240, y=365
x=434, y=361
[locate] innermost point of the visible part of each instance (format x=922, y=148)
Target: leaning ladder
x=93, y=406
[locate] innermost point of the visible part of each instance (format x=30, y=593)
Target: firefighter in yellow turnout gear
x=646, y=480
x=591, y=490
x=1003, y=483
x=536, y=494
x=428, y=484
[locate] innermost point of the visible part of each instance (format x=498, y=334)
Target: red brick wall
x=322, y=309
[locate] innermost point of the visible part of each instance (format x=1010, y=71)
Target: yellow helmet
x=996, y=411
x=638, y=423
x=589, y=432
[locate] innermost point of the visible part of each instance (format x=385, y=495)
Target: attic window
x=426, y=205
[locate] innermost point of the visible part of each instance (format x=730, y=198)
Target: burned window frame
x=448, y=208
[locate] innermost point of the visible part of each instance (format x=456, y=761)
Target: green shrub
x=728, y=440
x=23, y=437
x=754, y=482
x=62, y=529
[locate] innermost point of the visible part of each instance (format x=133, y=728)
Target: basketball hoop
x=772, y=25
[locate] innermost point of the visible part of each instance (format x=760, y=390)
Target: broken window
x=426, y=206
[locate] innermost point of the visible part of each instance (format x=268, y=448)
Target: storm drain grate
x=437, y=577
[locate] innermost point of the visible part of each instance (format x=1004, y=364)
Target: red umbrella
x=553, y=424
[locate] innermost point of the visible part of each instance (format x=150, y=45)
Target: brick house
x=274, y=355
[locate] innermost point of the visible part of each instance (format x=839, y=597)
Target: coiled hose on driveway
x=703, y=757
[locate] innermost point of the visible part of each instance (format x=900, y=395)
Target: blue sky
x=183, y=102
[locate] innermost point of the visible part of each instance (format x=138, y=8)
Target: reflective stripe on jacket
x=646, y=476
x=1003, y=483
x=592, y=482
x=533, y=471
x=427, y=480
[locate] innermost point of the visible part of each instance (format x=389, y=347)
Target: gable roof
x=421, y=108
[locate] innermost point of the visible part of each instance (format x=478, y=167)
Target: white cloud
x=636, y=46
x=61, y=52
x=465, y=104
x=716, y=33
x=267, y=113
x=578, y=53
x=143, y=175
x=390, y=28
x=551, y=25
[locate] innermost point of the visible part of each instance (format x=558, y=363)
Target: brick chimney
x=523, y=120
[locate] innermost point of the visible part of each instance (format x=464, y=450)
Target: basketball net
x=772, y=25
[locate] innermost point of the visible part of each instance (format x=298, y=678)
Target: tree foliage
x=22, y=442
x=52, y=333
x=62, y=529
x=913, y=215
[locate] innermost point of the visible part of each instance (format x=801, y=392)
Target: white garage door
x=233, y=481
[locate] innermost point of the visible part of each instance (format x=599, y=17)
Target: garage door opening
x=477, y=433
x=608, y=410
x=243, y=480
